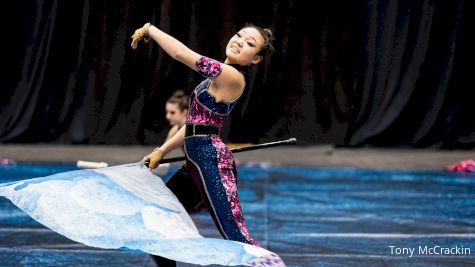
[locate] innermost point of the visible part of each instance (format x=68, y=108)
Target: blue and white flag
x=126, y=207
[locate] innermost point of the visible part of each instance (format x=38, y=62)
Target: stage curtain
x=346, y=73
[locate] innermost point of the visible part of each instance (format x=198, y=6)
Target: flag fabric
x=126, y=207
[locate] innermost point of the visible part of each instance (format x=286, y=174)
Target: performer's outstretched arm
x=228, y=78
x=173, y=47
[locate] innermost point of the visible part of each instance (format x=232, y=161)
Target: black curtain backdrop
x=348, y=73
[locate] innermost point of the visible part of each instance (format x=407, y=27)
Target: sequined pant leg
x=214, y=166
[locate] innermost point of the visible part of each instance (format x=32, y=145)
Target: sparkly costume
x=210, y=170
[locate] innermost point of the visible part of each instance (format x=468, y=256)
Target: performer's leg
x=218, y=176
x=186, y=189
x=163, y=262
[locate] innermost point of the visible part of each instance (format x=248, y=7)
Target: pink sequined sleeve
x=208, y=67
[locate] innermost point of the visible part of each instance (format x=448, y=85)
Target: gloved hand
x=154, y=158
x=139, y=34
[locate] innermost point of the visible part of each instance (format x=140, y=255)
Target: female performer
x=209, y=167
x=176, y=109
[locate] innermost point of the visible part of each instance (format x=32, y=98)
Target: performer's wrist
x=161, y=149
x=146, y=28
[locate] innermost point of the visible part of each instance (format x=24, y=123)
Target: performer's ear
x=256, y=59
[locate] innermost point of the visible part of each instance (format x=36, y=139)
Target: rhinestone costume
x=210, y=163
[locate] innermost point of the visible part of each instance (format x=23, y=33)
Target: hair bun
x=268, y=32
x=180, y=98
x=179, y=93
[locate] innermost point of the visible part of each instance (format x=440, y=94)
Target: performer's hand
x=154, y=158
x=139, y=34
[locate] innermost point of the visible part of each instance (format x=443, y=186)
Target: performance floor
x=349, y=208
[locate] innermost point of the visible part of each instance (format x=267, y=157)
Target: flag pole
x=291, y=141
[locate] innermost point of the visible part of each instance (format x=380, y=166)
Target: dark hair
x=267, y=47
x=180, y=98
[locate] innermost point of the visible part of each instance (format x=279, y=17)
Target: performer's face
x=244, y=46
x=173, y=114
